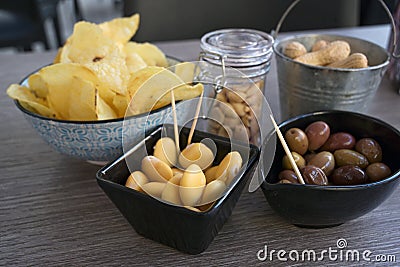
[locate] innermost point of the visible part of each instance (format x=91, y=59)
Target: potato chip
x=149, y=89
x=91, y=48
x=81, y=99
x=61, y=73
x=187, y=71
x=57, y=58
x=147, y=86
x=120, y=104
x=98, y=71
x=38, y=85
x=63, y=52
x=60, y=80
x=111, y=71
x=138, y=78
x=121, y=30
x=150, y=53
x=29, y=100
x=134, y=62
x=103, y=110
x=182, y=92
x=88, y=44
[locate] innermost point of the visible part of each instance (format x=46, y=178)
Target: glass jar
x=239, y=60
x=394, y=65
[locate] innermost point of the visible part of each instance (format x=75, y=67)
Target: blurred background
x=29, y=25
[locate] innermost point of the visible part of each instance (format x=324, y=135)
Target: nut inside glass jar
x=245, y=100
x=238, y=61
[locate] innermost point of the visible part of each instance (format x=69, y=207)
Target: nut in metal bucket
x=304, y=88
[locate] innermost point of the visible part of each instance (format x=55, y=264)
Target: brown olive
x=288, y=175
x=317, y=133
x=369, y=148
x=325, y=161
x=309, y=156
x=284, y=181
x=298, y=159
x=378, y=171
x=314, y=175
x=348, y=175
x=350, y=157
x=339, y=141
x=297, y=140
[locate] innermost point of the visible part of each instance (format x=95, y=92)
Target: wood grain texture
x=52, y=212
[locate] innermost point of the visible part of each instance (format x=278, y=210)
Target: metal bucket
x=304, y=88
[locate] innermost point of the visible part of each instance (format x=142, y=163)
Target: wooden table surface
x=52, y=212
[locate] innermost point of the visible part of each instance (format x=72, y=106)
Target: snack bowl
x=324, y=206
x=95, y=141
x=184, y=229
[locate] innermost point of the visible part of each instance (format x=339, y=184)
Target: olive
x=313, y=175
x=325, y=161
x=348, y=175
x=377, y=171
x=284, y=181
x=317, y=133
x=369, y=148
x=298, y=159
x=297, y=140
x=288, y=176
x=309, y=156
x=350, y=157
x=339, y=141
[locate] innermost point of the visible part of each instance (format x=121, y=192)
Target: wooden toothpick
x=196, y=115
x=288, y=153
x=176, y=133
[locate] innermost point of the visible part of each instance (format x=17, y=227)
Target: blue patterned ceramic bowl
x=94, y=141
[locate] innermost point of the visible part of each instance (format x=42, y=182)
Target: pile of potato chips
x=97, y=73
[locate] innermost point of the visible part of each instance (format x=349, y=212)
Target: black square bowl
x=178, y=227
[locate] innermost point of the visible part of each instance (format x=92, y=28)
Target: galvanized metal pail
x=305, y=88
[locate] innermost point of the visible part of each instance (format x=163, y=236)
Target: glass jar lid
x=238, y=47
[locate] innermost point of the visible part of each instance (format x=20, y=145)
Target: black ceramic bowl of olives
x=349, y=162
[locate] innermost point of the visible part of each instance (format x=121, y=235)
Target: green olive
x=297, y=140
x=298, y=159
x=350, y=157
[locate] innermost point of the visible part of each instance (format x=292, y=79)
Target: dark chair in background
x=23, y=22
x=372, y=12
x=177, y=19
x=190, y=19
